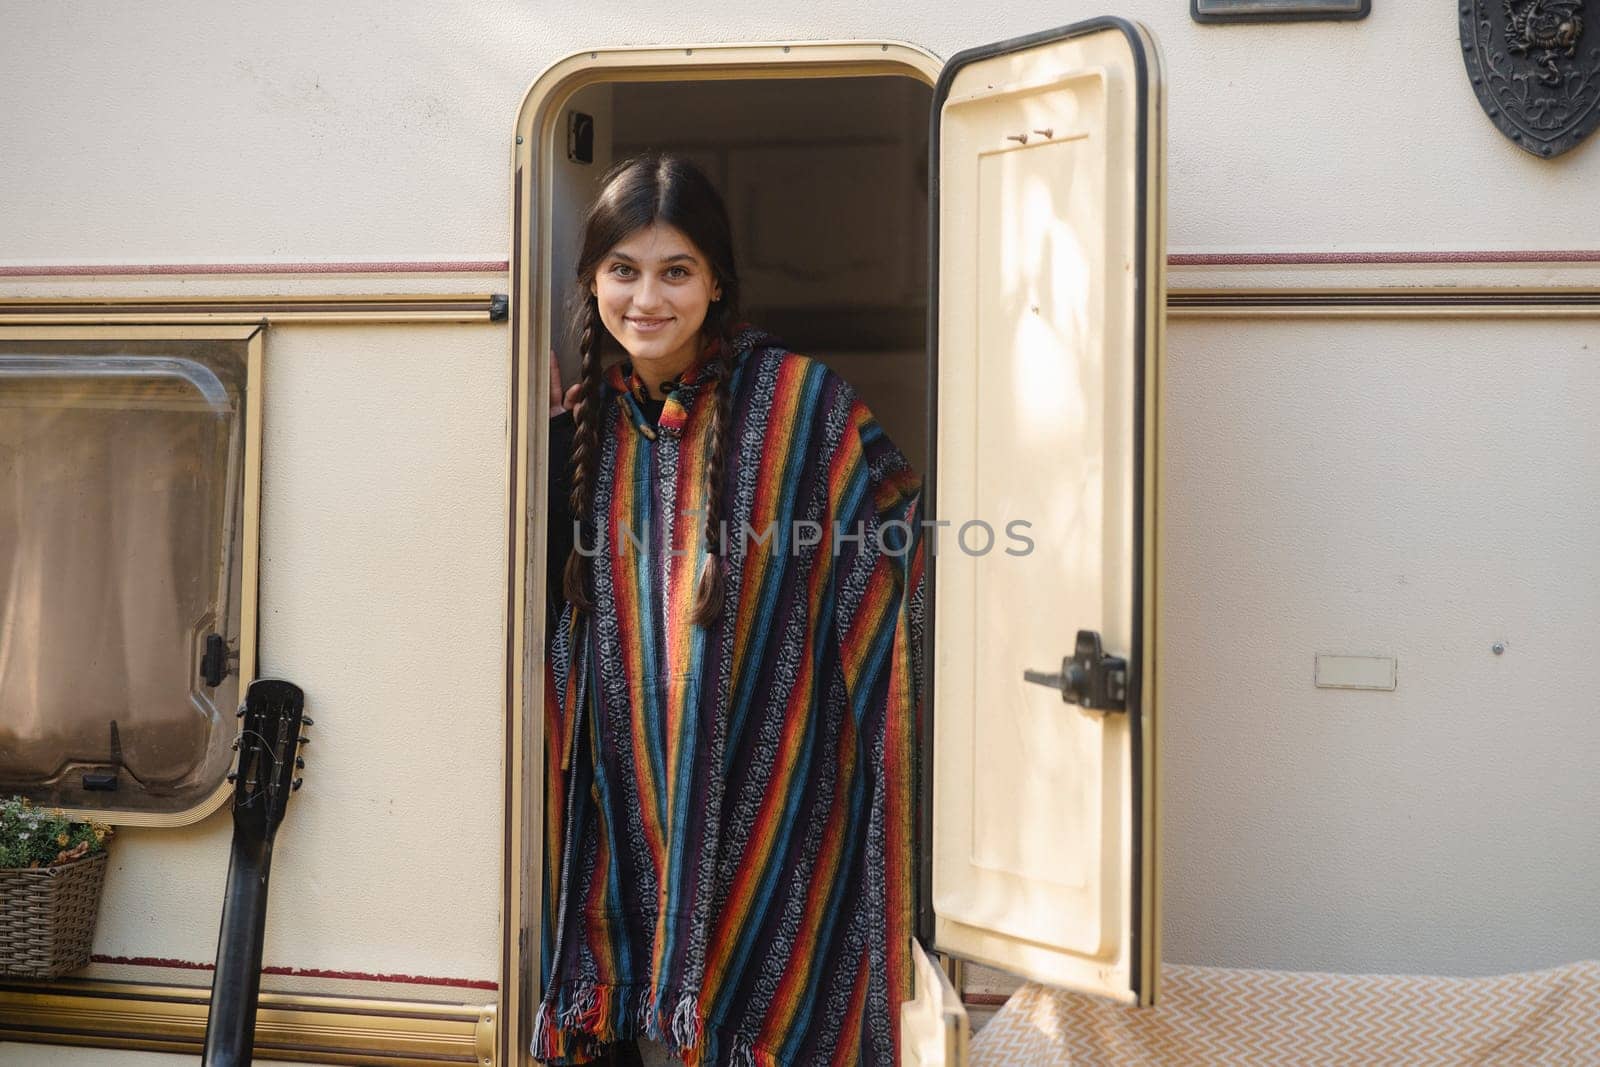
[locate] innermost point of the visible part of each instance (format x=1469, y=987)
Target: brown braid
x=708, y=595
x=585, y=455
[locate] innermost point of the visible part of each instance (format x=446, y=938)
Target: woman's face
x=653, y=289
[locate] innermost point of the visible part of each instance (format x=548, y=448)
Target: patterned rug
x=1210, y=1015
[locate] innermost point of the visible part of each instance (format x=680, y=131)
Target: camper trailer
x=1278, y=342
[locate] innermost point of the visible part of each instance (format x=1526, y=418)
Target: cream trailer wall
x=1356, y=482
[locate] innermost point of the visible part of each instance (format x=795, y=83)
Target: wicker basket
x=47, y=917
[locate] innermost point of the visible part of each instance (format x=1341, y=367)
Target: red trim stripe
x=442, y=266
x=1281, y=259
x=302, y=972
x=499, y=266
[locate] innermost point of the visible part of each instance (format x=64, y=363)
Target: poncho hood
x=623, y=378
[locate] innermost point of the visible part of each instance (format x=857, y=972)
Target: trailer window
x=122, y=491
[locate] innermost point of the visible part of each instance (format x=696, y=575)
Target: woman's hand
x=569, y=401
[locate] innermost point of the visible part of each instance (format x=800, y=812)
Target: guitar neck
x=231, y=1024
x=268, y=745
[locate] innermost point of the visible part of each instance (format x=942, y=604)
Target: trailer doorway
x=821, y=153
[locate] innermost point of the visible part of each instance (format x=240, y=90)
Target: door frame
x=532, y=164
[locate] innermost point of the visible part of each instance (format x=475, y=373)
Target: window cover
x=122, y=491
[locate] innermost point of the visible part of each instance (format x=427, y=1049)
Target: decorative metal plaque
x=1277, y=10
x=1535, y=65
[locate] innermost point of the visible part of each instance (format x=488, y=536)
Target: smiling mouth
x=649, y=323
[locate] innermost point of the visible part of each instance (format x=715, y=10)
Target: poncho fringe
x=598, y=1015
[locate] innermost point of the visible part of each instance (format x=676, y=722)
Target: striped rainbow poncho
x=729, y=835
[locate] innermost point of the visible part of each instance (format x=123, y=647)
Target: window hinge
x=218, y=661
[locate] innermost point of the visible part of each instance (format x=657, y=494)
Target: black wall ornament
x=1535, y=66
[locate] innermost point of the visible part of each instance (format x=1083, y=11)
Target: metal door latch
x=1089, y=678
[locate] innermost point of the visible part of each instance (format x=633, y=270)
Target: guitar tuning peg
x=298, y=782
x=306, y=720
x=240, y=713
x=300, y=763
x=305, y=740
x=236, y=741
x=233, y=776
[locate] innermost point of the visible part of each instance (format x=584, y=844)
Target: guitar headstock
x=269, y=754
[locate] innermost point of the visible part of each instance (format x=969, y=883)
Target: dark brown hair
x=656, y=187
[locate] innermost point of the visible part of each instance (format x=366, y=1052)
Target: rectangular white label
x=1355, y=672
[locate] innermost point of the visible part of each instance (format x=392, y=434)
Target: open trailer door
x=1050, y=296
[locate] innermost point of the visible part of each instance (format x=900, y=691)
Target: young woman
x=734, y=673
